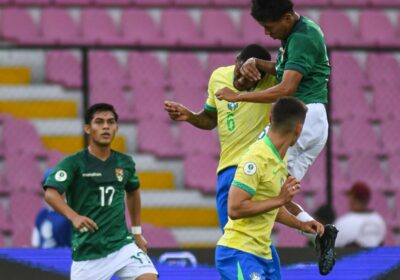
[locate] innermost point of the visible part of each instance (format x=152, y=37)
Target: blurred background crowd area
x=135, y=54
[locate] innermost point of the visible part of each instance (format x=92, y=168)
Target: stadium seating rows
x=183, y=27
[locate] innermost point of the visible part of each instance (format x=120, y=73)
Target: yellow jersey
x=261, y=172
x=240, y=123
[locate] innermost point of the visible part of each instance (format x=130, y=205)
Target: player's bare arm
x=133, y=202
x=287, y=87
x=240, y=204
x=82, y=223
x=204, y=119
x=252, y=67
x=286, y=218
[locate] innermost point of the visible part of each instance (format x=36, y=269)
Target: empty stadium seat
x=179, y=29
x=376, y=29
x=315, y=178
x=65, y=68
x=185, y=69
x=346, y=71
x=394, y=174
x=155, y=136
x=382, y=70
x=99, y=28
x=216, y=60
x=385, y=3
x=198, y=141
x=192, y=97
x=218, y=29
x=53, y=158
x=389, y=129
x=105, y=69
x=73, y=2
x=32, y=2
x=352, y=3
x=288, y=237
x=114, y=2
x=252, y=32
x=338, y=28
x=145, y=69
x=18, y=26
x=230, y=3
x=191, y=2
x=5, y=222
x=147, y=102
x=312, y=3
x=200, y=172
x=138, y=27
x=58, y=27
x=154, y=2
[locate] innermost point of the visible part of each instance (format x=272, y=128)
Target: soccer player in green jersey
x=302, y=70
x=260, y=190
x=95, y=182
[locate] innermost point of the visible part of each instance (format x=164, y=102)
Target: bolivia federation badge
x=119, y=173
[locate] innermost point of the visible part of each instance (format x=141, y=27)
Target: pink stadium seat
x=23, y=218
x=385, y=3
x=288, y=237
x=341, y=202
x=376, y=29
x=14, y=144
x=114, y=2
x=147, y=102
x=32, y=2
x=138, y=27
x=191, y=2
x=338, y=29
x=164, y=144
x=382, y=70
x=58, y=27
x=389, y=130
x=53, y=158
x=217, y=28
x=179, y=29
x=342, y=64
x=153, y=2
x=105, y=69
x=357, y=136
x=340, y=178
x=343, y=99
x=192, y=97
x=99, y=28
x=145, y=69
x=30, y=180
x=17, y=25
x=197, y=141
x=186, y=69
x=5, y=222
x=315, y=178
x=394, y=173
x=366, y=168
x=115, y=96
x=231, y=3
x=200, y=172
x=216, y=60
x=385, y=101
x=352, y=3
x=73, y=2
x=311, y=3
x=64, y=68
x=252, y=32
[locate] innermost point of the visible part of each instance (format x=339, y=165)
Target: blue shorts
x=225, y=179
x=234, y=264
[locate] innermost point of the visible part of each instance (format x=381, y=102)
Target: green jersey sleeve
x=132, y=183
x=62, y=176
x=301, y=54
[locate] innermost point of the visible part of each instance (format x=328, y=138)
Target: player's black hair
x=99, y=107
x=286, y=113
x=270, y=10
x=255, y=51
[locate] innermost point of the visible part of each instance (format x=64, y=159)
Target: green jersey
x=96, y=189
x=304, y=51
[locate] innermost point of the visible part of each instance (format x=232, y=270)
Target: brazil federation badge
x=255, y=276
x=119, y=173
x=232, y=106
x=250, y=168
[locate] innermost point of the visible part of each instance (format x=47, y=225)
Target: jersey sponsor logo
x=93, y=174
x=233, y=106
x=255, y=276
x=250, y=168
x=119, y=173
x=61, y=176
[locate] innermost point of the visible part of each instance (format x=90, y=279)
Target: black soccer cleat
x=325, y=247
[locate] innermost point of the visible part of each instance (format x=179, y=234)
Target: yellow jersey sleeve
x=210, y=102
x=249, y=173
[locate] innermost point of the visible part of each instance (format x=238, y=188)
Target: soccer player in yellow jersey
x=239, y=124
x=259, y=191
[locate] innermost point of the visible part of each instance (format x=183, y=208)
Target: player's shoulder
x=222, y=72
x=125, y=158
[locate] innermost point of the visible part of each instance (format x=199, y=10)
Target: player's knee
x=147, y=276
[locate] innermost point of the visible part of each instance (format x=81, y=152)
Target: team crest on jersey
x=119, y=173
x=232, y=106
x=250, y=168
x=255, y=276
x=61, y=176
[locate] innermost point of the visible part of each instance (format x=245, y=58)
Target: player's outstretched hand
x=289, y=189
x=226, y=94
x=84, y=224
x=313, y=227
x=177, y=111
x=250, y=71
x=140, y=242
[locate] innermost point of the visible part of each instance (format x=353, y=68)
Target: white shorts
x=129, y=262
x=310, y=143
